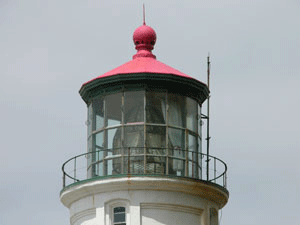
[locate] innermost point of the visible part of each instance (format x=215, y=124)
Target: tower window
x=119, y=216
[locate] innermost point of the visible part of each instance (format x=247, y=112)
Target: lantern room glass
x=144, y=132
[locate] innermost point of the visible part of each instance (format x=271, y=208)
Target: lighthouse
x=145, y=163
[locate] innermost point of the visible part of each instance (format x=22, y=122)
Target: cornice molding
x=199, y=188
x=91, y=213
x=190, y=87
x=172, y=207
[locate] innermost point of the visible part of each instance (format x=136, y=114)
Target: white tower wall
x=147, y=201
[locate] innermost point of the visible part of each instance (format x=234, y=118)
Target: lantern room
x=144, y=117
x=144, y=131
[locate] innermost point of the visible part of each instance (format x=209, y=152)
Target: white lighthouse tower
x=144, y=164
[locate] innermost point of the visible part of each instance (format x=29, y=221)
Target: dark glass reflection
x=113, y=104
x=119, y=214
x=156, y=107
x=177, y=151
x=176, y=110
x=192, y=114
x=193, y=156
x=133, y=145
x=119, y=217
x=134, y=106
x=119, y=209
x=114, y=151
x=156, y=149
x=98, y=108
x=90, y=158
x=90, y=119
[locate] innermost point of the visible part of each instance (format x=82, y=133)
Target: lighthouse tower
x=144, y=163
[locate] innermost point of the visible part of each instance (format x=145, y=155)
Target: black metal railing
x=144, y=161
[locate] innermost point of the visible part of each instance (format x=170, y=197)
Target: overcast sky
x=49, y=48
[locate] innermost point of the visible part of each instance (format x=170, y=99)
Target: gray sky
x=49, y=48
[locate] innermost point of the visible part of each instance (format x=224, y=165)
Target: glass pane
x=156, y=137
x=99, y=112
x=100, y=140
x=155, y=165
x=89, y=144
x=136, y=164
x=177, y=138
x=193, y=157
x=99, y=145
x=134, y=106
x=134, y=151
x=177, y=162
x=114, y=151
x=200, y=123
x=193, y=145
x=192, y=114
x=156, y=147
x=117, y=166
x=134, y=137
x=90, y=172
x=90, y=119
x=119, y=217
x=200, y=159
x=114, y=139
x=113, y=104
x=177, y=151
x=134, y=147
x=109, y=167
x=190, y=169
x=119, y=209
x=99, y=169
x=90, y=158
x=176, y=110
x=156, y=107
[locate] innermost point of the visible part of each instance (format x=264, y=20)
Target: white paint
x=157, y=213
x=161, y=217
x=158, y=203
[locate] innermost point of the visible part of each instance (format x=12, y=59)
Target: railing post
x=128, y=163
x=199, y=165
x=215, y=170
x=97, y=164
x=186, y=162
x=122, y=160
x=167, y=161
x=75, y=170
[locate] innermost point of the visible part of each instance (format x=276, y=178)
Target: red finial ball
x=144, y=37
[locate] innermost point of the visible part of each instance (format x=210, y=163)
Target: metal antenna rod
x=144, y=20
x=207, y=132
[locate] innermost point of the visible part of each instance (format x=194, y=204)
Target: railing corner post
x=64, y=180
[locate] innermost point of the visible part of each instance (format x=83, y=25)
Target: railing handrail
x=200, y=167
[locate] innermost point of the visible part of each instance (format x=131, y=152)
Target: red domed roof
x=143, y=61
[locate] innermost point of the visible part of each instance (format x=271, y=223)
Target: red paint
x=144, y=38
